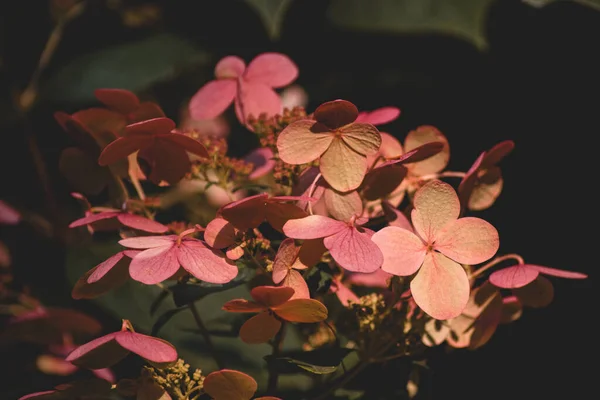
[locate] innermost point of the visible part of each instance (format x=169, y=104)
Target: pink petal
x=154, y=126
x=141, y=223
x=335, y=114
x=560, y=273
x=259, y=329
x=285, y=257
x=219, y=233
x=417, y=154
x=302, y=310
x=154, y=265
x=146, y=110
x=342, y=167
x=120, y=100
x=99, y=353
x=362, y=138
x=53, y=365
x=212, y=99
x=234, y=252
x=295, y=281
x=467, y=184
x=271, y=296
x=468, y=240
x=436, y=204
x=228, y=384
x=121, y=148
x=303, y=141
x=156, y=351
x=262, y=161
x=421, y=136
x=39, y=395
x=343, y=293
x=380, y=116
x=378, y=279
x=512, y=309
x=246, y=213
x=390, y=147
x=484, y=194
x=354, y=250
x=254, y=99
x=148, y=242
x=280, y=213
x=395, y=217
x=515, y=276
x=536, y=294
x=441, y=287
x=312, y=227
x=273, y=69
x=8, y=215
x=310, y=253
x=189, y=144
x=383, y=180
x=105, y=373
x=497, y=153
x=243, y=306
x=205, y=263
x=343, y=206
x=230, y=67
x=105, y=267
x=93, y=218
x=403, y=252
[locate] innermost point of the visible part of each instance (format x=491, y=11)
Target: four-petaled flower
x=341, y=144
x=442, y=241
x=274, y=303
x=250, y=88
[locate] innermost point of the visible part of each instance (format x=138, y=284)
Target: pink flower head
x=105, y=276
x=349, y=244
x=124, y=218
x=291, y=258
x=220, y=234
x=262, y=160
x=250, y=88
x=165, y=254
x=483, y=183
x=127, y=104
x=520, y=275
x=164, y=150
x=8, y=215
x=274, y=303
x=341, y=144
x=442, y=241
x=228, y=384
x=252, y=211
x=108, y=350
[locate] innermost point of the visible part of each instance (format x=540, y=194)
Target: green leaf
x=541, y=3
x=271, y=12
x=321, y=361
x=185, y=293
x=133, y=66
x=318, y=279
x=462, y=18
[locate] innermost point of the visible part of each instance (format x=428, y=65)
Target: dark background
x=537, y=83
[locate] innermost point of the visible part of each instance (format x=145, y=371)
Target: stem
x=206, y=335
x=496, y=261
x=445, y=174
x=343, y=380
x=311, y=189
x=273, y=372
x=137, y=185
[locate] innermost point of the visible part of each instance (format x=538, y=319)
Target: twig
x=273, y=372
x=206, y=335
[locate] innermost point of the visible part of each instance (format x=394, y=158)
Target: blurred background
x=481, y=71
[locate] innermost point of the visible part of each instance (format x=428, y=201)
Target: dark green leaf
x=164, y=318
x=159, y=300
x=271, y=13
x=320, y=361
x=318, y=279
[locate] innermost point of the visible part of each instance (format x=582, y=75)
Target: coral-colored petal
x=378, y=279
x=343, y=206
x=230, y=67
x=302, y=310
x=441, y=287
x=362, y=138
x=154, y=265
x=379, y=116
x=212, y=99
x=484, y=194
x=382, y=181
x=418, y=154
x=106, y=266
x=497, y=153
x=420, y=136
x=246, y=213
x=102, y=352
x=121, y=148
x=273, y=69
x=295, y=281
x=234, y=252
x=343, y=293
x=560, y=273
x=189, y=144
x=271, y=296
x=468, y=182
x=204, y=263
x=536, y=294
x=354, y=250
x=312, y=227
x=219, y=233
x=141, y=223
x=390, y=146
x=487, y=322
x=342, y=167
x=228, y=384
x=120, y=100
x=262, y=161
x=395, y=217
x=435, y=333
x=403, y=252
x=310, y=253
x=468, y=240
x=335, y=114
x=255, y=99
x=436, y=204
x=512, y=309
x=45, y=395
x=243, y=306
x=155, y=350
x=94, y=218
x=285, y=257
x=303, y=141
x=513, y=277
x=148, y=242
x=260, y=328
x=277, y=214
x=167, y=161
x=146, y=110
x=154, y=126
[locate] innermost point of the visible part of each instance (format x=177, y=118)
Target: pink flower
x=379, y=116
x=349, y=244
x=520, y=275
x=250, y=88
x=221, y=234
x=290, y=259
x=130, y=220
x=165, y=254
x=262, y=160
x=127, y=104
x=442, y=241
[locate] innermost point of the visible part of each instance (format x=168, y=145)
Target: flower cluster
x=334, y=227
